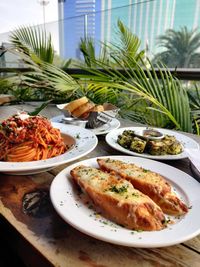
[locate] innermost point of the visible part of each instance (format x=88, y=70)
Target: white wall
x=14, y=13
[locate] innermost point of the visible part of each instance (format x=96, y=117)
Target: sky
x=15, y=13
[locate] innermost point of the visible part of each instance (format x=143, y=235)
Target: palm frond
x=44, y=77
x=129, y=42
x=87, y=47
x=164, y=102
x=194, y=98
x=33, y=40
x=179, y=48
x=164, y=95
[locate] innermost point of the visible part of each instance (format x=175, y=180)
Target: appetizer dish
x=163, y=145
x=97, y=213
x=129, y=195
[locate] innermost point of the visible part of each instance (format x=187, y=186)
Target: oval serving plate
x=187, y=142
x=70, y=206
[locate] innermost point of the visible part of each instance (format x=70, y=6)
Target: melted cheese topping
x=134, y=170
x=23, y=116
x=120, y=189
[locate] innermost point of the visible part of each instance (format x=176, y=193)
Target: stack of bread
x=81, y=107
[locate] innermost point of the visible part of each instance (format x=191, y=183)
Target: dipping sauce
x=152, y=133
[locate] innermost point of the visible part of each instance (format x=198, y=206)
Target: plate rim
x=14, y=167
x=118, y=123
x=138, y=244
x=144, y=155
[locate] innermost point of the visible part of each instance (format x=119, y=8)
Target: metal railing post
x=85, y=26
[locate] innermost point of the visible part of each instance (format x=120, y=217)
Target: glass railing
x=168, y=31
x=9, y=59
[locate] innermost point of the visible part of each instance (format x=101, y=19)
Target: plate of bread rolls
x=80, y=108
x=100, y=118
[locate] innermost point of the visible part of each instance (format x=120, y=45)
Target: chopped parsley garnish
x=135, y=195
x=118, y=190
x=78, y=136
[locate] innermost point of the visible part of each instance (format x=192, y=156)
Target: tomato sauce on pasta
x=29, y=138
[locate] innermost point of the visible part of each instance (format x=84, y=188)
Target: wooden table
x=44, y=239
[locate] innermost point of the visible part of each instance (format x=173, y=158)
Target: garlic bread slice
x=118, y=200
x=148, y=182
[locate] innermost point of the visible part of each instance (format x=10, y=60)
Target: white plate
x=187, y=142
x=104, y=129
x=85, y=140
x=74, y=211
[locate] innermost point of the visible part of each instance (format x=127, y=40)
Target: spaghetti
x=29, y=138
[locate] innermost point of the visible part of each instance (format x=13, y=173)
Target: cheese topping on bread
x=119, y=200
x=148, y=182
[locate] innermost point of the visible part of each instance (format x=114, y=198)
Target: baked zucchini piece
x=169, y=139
x=129, y=133
x=157, y=148
x=124, y=141
x=175, y=148
x=138, y=145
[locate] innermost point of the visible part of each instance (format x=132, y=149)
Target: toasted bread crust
x=150, y=183
x=76, y=103
x=78, y=112
x=98, y=108
x=118, y=200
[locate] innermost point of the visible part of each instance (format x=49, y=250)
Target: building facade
x=98, y=19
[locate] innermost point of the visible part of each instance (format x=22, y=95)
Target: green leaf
x=33, y=41
x=40, y=108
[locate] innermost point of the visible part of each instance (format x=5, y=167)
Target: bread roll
x=82, y=109
x=73, y=105
x=98, y=108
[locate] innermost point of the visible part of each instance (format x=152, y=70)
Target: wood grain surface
x=26, y=206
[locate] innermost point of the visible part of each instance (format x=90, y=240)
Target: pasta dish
x=29, y=138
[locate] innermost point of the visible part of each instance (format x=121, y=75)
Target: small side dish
x=163, y=145
x=85, y=113
x=150, y=134
x=81, y=108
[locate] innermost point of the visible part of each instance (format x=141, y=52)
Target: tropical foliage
x=161, y=102
x=120, y=75
x=128, y=46
x=180, y=48
x=142, y=95
x=44, y=80
x=194, y=98
x=34, y=41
